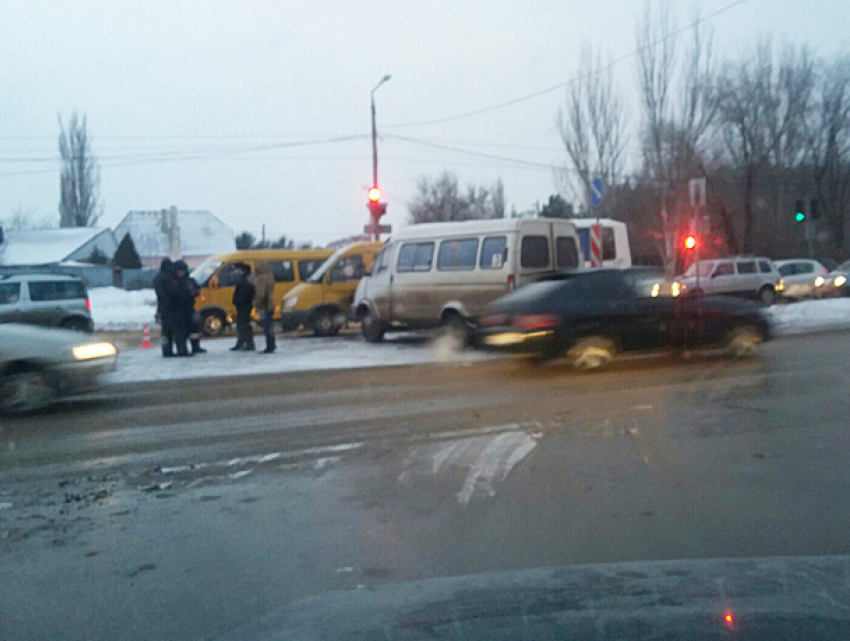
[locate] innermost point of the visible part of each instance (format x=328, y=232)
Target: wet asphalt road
x=184, y=509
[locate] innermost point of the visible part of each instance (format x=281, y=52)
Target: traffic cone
x=146, y=339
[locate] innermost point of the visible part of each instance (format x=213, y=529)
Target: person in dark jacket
x=243, y=300
x=195, y=318
x=183, y=307
x=164, y=284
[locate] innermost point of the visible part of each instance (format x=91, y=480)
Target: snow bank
x=295, y=354
x=117, y=309
x=810, y=316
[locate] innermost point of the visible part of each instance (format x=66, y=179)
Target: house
x=39, y=247
x=190, y=235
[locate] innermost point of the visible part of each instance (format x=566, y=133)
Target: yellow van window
x=307, y=268
x=228, y=275
x=346, y=269
x=282, y=271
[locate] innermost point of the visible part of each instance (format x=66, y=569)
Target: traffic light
x=800, y=211
x=690, y=241
x=376, y=207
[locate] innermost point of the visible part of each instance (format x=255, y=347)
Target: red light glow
x=374, y=194
x=728, y=618
x=690, y=242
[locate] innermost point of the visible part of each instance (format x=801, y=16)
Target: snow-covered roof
x=200, y=233
x=45, y=246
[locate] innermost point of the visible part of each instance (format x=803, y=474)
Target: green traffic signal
x=800, y=209
x=800, y=217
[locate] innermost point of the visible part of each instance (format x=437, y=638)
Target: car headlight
x=839, y=281
x=819, y=281
x=656, y=290
x=290, y=303
x=676, y=289
x=91, y=351
x=780, y=286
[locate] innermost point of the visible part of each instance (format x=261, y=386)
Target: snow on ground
x=117, y=309
x=810, y=316
x=294, y=354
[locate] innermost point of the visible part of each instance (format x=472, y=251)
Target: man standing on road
x=184, y=307
x=164, y=284
x=194, y=318
x=264, y=302
x=243, y=299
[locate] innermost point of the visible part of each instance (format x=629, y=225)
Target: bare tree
x=829, y=146
x=26, y=217
x=441, y=200
x=763, y=106
x=80, y=179
x=592, y=126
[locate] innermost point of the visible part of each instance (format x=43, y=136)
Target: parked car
x=446, y=273
x=38, y=365
x=803, y=278
x=218, y=274
x=835, y=283
x=591, y=316
x=323, y=303
x=50, y=300
x=744, y=276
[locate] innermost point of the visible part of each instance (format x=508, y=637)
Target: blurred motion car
x=743, y=276
x=51, y=300
x=591, y=316
x=803, y=278
x=39, y=365
x=835, y=283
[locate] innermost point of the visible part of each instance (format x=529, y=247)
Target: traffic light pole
x=373, y=218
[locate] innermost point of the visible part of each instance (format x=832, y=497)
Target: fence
x=91, y=275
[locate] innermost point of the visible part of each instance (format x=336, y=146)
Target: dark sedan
x=591, y=316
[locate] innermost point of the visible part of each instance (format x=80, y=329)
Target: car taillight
x=536, y=321
x=493, y=321
x=88, y=304
x=511, y=282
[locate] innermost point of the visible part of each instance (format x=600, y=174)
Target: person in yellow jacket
x=264, y=303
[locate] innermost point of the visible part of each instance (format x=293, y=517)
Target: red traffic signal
x=374, y=194
x=690, y=242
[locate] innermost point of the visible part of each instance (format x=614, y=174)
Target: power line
x=562, y=85
x=468, y=152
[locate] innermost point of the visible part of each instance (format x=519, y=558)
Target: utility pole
x=374, y=215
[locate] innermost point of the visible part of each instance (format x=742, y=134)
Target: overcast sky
x=198, y=103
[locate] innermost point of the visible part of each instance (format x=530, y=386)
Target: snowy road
x=167, y=510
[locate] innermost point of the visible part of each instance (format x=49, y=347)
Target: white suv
x=747, y=276
x=51, y=300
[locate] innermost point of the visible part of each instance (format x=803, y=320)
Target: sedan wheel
x=743, y=342
x=591, y=353
x=26, y=392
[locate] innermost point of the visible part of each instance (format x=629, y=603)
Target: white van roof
x=584, y=223
x=469, y=227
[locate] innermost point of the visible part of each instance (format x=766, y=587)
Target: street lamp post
x=374, y=219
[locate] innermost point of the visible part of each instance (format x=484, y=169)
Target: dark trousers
x=182, y=327
x=244, y=332
x=267, y=319
x=166, y=322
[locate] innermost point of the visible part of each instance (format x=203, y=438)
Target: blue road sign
x=596, y=192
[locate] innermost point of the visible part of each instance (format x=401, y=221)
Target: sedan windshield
x=704, y=269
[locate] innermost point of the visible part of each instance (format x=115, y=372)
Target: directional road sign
x=596, y=191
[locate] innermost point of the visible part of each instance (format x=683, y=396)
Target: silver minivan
x=50, y=300
x=446, y=273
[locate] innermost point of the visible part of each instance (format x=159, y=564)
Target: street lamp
x=374, y=218
x=375, y=134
